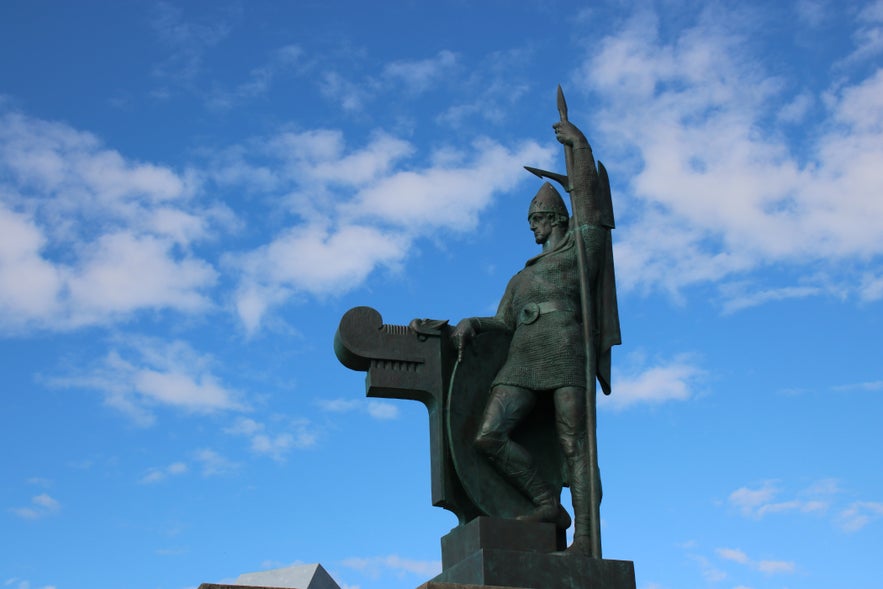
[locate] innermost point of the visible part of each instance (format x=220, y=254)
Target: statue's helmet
x=547, y=200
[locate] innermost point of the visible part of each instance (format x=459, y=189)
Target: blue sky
x=192, y=194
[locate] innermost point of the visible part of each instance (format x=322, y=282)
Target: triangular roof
x=303, y=576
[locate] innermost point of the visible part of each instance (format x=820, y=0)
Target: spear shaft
x=594, y=490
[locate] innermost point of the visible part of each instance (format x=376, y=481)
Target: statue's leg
x=570, y=420
x=506, y=407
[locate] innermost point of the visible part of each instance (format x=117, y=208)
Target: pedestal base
x=492, y=552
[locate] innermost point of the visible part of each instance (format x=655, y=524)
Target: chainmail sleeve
x=503, y=320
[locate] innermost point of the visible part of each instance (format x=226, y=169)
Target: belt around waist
x=532, y=311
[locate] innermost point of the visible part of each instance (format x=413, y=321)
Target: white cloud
x=871, y=288
x=797, y=109
x=213, y=463
x=298, y=434
x=773, y=567
x=733, y=554
x=29, y=284
x=364, y=209
x=377, y=409
x=738, y=296
x=874, y=385
x=749, y=501
x=710, y=572
x=448, y=196
x=382, y=410
x=245, y=426
x=420, y=75
x=765, y=566
x=802, y=505
x=17, y=583
x=718, y=192
x=637, y=383
x=124, y=273
x=859, y=514
x=143, y=374
x=352, y=96
x=321, y=260
x=87, y=236
x=42, y=505
x=868, y=36
x=761, y=501
x=156, y=475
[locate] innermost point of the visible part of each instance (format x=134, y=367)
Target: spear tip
x=562, y=104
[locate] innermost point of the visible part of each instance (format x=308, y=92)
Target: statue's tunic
x=541, y=309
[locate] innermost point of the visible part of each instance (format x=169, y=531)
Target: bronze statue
x=543, y=310
x=511, y=398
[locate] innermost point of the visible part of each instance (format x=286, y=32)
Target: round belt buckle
x=529, y=314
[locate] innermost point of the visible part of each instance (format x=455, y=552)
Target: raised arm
x=586, y=189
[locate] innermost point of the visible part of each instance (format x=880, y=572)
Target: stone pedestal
x=490, y=552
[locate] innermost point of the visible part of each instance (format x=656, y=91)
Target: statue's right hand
x=463, y=334
x=568, y=134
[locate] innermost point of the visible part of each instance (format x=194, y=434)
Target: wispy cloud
x=769, y=567
x=419, y=75
x=375, y=566
x=260, y=79
x=760, y=501
x=186, y=41
x=158, y=474
x=354, y=92
x=214, y=464
x=868, y=36
x=859, y=514
x=494, y=85
x=813, y=12
x=42, y=505
x=710, y=571
x=871, y=385
x=18, y=583
x=351, y=95
x=646, y=383
x=819, y=498
x=143, y=374
x=739, y=296
x=374, y=408
x=296, y=434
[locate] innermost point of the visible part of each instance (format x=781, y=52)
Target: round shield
x=467, y=398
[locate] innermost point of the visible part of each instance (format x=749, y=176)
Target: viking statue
x=511, y=398
x=561, y=315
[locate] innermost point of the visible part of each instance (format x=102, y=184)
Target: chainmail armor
x=547, y=353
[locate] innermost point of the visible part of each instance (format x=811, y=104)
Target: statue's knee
x=488, y=444
x=571, y=447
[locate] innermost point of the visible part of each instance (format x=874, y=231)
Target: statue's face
x=541, y=225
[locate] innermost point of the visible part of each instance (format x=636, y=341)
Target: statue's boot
x=578, y=463
x=548, y=510
x=516, y=464
x=581, y=545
